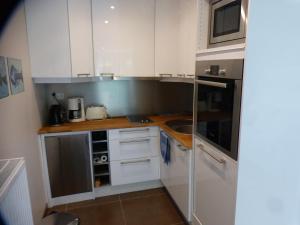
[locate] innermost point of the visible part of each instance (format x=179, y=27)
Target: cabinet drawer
x=133, y=133
x=133, y=148
x=135, y=170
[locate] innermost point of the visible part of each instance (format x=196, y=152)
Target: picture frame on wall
x=4, y=90
x=15, y=74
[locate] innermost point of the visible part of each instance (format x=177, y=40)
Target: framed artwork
x=15, y=75
x=4, y=92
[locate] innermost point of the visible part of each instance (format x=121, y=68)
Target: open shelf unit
x=101, y=160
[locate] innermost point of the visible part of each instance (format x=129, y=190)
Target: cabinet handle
x=165, y=75
x=221, y=161
x=134, y=141
x=190, y=75
x=181, y=75
x=107, y=74
x=182, y=148
x=83, y=74
x=133, y=131
x=135, y=161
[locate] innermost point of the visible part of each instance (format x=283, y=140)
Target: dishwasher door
x=69, y=164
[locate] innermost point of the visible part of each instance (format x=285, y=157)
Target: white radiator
x=15, y=206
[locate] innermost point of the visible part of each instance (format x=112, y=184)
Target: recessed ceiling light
x=106, y=21
x=112, y=7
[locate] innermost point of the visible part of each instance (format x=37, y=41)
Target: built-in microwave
x=228, y=20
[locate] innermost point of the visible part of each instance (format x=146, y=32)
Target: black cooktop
x=139, y=119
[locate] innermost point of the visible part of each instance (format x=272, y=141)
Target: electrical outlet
x=60, y=96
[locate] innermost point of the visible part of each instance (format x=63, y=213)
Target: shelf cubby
x=100, y=151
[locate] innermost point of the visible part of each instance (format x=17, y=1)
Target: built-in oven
x=228, y=19
x=217, y=106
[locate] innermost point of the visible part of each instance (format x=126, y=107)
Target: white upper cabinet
x=167, y=37
x=81, y=40
x=48, y=36
x=60, y=37
x=123, y=34
x=187, y=37
x=175, y=37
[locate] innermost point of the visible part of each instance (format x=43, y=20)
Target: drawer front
x=129, y=133
x=134, y=170
x=133, y=148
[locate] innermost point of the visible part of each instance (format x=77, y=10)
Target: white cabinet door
x=81, y=41
x=176, y=177
x=187, y=37
x=167, y=19
x=123, y=34
x=215, y=186
x=48, y=36
x=134, y=170
x=175, y=37
x=133, y=148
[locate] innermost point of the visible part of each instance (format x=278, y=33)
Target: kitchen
x=156, y=112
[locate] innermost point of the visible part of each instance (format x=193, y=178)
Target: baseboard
x=114, y=190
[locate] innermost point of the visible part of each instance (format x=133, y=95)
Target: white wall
x=19, y=116
x=269, y=168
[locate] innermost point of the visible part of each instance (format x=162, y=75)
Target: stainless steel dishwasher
x=68, y=163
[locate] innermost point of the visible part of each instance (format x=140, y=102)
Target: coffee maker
x=76, y=111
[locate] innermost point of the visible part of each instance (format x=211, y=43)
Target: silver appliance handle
x=219, y=160
x=212, y=83
x=133, y=131
x=134, y=141
x=135, y=161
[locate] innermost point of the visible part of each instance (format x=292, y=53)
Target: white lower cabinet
x=132, y=133
x=134, y=155
x=134, y=148
x=134, y=170
x=176, y=177
x=215, y=180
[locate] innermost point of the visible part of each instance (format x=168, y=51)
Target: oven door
x=217, y=112
x=228, y=21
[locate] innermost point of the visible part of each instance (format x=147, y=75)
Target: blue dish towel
x=165, y=147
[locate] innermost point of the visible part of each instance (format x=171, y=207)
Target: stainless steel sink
x=181, y=126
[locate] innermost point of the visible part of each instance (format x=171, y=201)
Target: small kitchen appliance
x=56, y=115
x=96, y=113
x=228, y=22
x=76, y=112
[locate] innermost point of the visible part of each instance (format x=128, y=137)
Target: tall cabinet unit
x=123, y=37
x=175, y=38
x=60, y=38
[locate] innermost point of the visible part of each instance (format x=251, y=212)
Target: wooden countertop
x=122, y=122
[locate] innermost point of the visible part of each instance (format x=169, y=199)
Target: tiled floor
x=151, y=207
